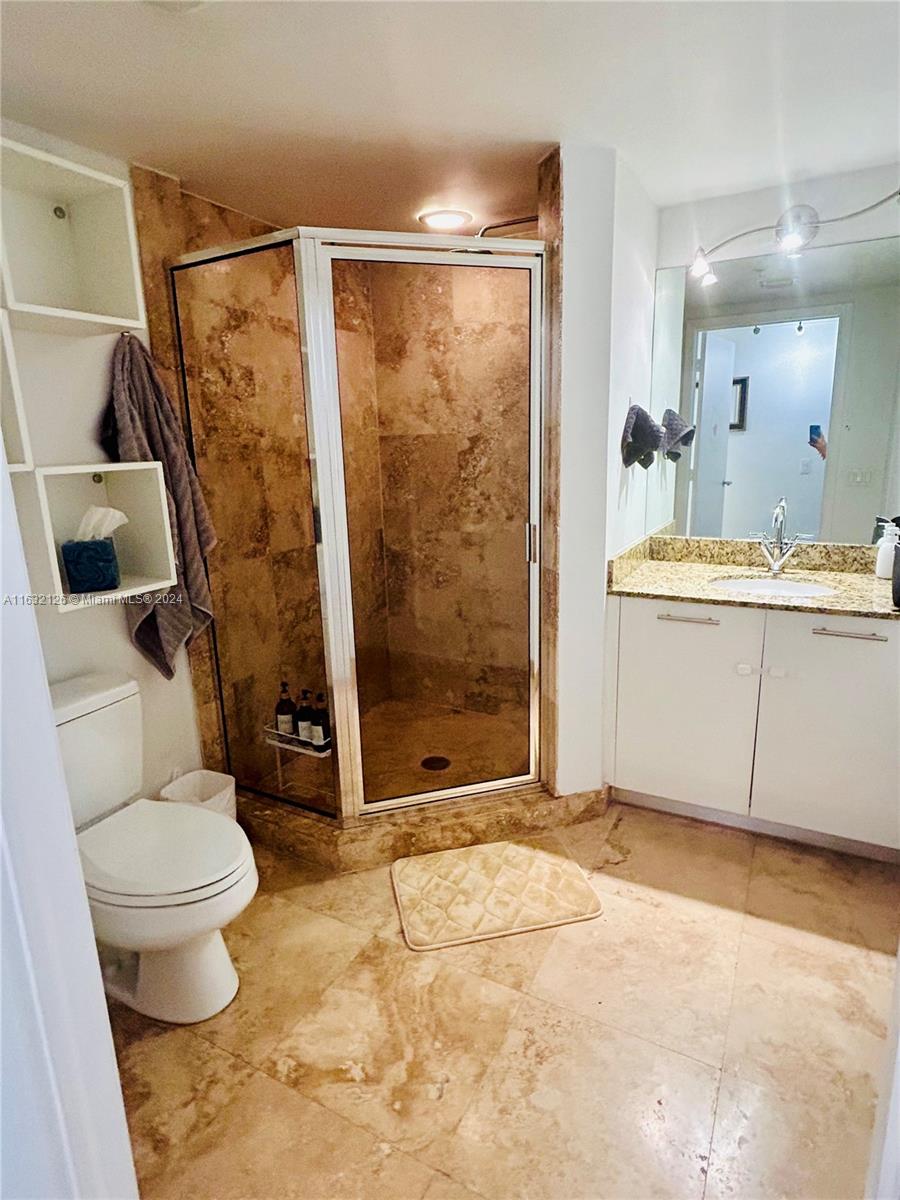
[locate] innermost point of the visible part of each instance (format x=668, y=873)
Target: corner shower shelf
x=291, y=743
x=143, y=546
x=12, y=407
x=70, y=261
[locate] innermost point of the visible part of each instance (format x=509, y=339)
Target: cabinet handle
x=777, y=672
x=862, y=637
x=746, y=669
x=688, y=620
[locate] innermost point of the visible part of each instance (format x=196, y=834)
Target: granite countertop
x=668, y=568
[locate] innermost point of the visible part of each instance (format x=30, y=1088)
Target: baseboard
x=788, y=833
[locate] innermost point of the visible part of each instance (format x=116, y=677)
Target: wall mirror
x=789, y=367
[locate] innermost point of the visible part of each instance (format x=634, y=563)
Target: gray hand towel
x=677, y=436
x=142, y=425
x=641, y=437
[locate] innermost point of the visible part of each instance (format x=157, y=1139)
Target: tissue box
x=91, y=566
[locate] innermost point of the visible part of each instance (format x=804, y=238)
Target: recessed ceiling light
x=445, y=219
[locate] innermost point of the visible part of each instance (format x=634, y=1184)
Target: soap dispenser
x=884, y=559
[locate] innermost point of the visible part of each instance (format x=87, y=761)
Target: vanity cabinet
x=828, y=738
x=688, y=689
x=792, y=718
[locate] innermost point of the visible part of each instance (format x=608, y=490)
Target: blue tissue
x=91, y=566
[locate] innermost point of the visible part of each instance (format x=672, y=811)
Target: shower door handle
x=531, y=543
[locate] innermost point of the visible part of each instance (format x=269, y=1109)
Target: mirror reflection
x=789, y=371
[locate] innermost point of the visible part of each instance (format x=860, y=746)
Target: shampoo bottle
x=884, y=559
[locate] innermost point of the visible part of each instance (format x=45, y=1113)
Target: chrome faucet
x=776, y=548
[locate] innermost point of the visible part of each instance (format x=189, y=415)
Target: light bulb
x=709, y=279
x=699, y=267
x=445, y=219
x=791, y=241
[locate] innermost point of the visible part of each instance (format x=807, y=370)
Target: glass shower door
x=437, y=398
x=239, y=332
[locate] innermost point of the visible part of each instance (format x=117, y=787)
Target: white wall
x=791, y=381
x=588, y=208
x=64, y=1132
x=609, y=257
x=665, y=391
x=65, y=381
x=684, y=227
x=635, y=222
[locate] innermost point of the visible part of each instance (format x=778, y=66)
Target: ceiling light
x=699, y=267
x=796, y=228
x=445, y=220
x=709, y=279
x=800, y=329
x=756, y=329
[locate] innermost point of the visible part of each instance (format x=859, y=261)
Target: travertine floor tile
x=800, y=895
x=808, y=1024
x=633, y=851
x=572, y=1109
x=766, y=1147
x=650, y=967
x=174, y=1085
x=285, y=956
x=363, y=899
x=442, y=1187
x=271, y=1143
x=398, y=1043
x=512, y=961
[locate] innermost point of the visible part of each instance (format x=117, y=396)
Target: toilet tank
x=98, y=721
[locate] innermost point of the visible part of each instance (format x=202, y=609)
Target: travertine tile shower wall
x=171, y=222
x=434, y=373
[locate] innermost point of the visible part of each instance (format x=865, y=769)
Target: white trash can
x=209, y=789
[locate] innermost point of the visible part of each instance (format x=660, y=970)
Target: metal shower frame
x=314, y=252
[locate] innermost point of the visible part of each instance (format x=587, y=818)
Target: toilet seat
x=155, y=854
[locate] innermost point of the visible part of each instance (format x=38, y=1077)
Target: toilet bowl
x=162, y=881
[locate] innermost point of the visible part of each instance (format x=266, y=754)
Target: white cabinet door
x=828, y=741
x=687, y=701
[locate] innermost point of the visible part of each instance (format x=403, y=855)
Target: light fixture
x=800, y=329
x=796, y=228
x=700, y=266
x=756, y=329
x=709, y=279
x=445, y=220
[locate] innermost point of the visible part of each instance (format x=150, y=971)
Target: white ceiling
x=361, y=114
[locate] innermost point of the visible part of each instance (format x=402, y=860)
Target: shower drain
x=435, y=762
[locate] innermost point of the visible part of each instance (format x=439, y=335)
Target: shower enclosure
x=365, y=418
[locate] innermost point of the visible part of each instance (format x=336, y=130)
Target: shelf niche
x=70, y=260
x=143, y=546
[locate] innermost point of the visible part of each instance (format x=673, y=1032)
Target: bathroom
x=576, y=872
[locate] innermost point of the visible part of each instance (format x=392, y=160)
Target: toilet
x=162, y=879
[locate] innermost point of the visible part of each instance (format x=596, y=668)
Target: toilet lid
x=159, y=848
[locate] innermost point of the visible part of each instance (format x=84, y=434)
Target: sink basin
x=772, y=587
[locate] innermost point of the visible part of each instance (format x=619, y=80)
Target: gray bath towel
x=140, y=425
x=678, y=434
x=641, y=437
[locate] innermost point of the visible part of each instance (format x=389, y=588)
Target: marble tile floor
x=397, y=735
x=718, y=1032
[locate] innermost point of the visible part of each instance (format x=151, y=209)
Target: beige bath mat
x=481, y=892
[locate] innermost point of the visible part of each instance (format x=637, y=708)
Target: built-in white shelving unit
x=143, y=546
x=12, y=408
x=70, y=261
